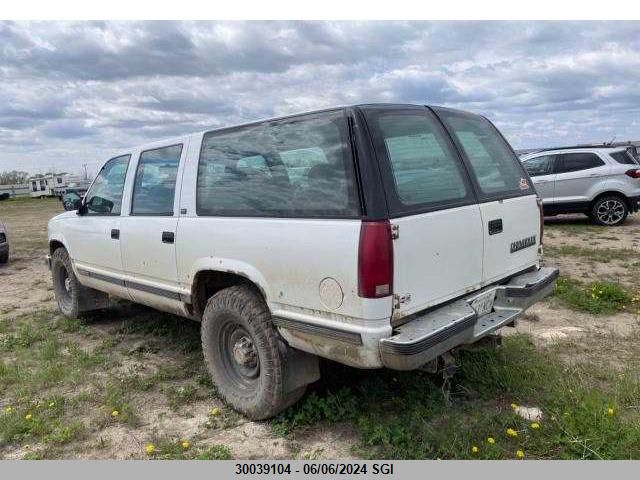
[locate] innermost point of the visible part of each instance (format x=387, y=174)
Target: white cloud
x=74, y=92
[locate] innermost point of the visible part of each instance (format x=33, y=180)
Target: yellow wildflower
x=8, y=409
x=520, y=454
x=511, y=432
x=491, y=440
x=52, y=404
x=115, y=413
x=215, y=411
x=610, y=411
x=535, y=425
x=150, y=448
x=474, y=449
x=185, y=444
x=28, y=416
x=514, y=405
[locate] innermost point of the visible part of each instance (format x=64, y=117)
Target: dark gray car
x=4, y=244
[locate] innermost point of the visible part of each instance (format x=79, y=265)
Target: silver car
x=4, y=244
x=603, y=183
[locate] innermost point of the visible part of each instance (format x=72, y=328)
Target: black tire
x=4, y=258
x=73, y=298
x=610, y=211
x=244, y=354
x=65, y=284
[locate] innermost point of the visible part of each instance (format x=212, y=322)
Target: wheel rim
x=239, y=356
x=610, y=212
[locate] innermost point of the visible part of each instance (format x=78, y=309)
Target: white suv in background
x=372, y=235
x=601, y=182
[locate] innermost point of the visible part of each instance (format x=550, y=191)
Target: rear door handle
x=168, y=237
x=115, y=234
x=495, y=226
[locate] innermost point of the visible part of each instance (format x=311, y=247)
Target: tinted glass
x=495, y=166
x=155, y=184
x=297, y=167
x=573, y=162
x=425, y=168
x=105, y=195
x=623, y=157
x=540, y=165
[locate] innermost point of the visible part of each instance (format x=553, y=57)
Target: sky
x=74, y=93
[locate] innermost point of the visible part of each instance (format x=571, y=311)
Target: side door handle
x=115, y=234
x=495, y=226
x=168, y=237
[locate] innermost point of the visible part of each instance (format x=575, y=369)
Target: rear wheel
x=4, y=258
x=244, y=354
x=610, y=210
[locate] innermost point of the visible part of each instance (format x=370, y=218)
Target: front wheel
x=73, y=298
x=65, y=284
x=4, y=258
x=244, y=354
x=609, y=211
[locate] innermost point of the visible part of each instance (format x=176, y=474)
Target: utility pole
x=84, y=166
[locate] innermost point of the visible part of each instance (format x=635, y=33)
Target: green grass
x=596, y=297
x=166, y=448
x=602, y=255
x=405, y=415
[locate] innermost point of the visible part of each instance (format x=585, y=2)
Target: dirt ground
x=176, y=407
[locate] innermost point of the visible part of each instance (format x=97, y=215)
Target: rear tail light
x=541, y=210
x=375, y=260
x=633, y=173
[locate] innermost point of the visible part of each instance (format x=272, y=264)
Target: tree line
x=13, y=177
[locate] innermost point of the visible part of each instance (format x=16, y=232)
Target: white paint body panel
x=437, y=257
x=520, y=219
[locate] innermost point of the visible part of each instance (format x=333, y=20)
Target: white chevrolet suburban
x=371, y=235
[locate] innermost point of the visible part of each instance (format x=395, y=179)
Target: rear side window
x=289, y=168
x=155, y=183
x=496, y=168
x=105, y=194
x=540, y=165
x=573, y=162
x=623, y=157
x=424, y=167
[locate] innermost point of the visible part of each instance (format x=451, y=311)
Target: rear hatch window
x=496, y=169
x=422, y=170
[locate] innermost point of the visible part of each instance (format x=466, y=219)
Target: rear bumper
x=438, y=331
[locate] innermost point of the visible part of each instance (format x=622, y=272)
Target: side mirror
x=76, y=204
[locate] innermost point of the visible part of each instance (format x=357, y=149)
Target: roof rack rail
x=569, y=147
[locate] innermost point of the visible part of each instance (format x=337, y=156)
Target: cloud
x=73, y=93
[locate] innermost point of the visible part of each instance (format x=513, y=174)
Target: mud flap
x=90, y=299
x=300, y=369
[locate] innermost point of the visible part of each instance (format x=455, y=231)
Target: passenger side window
x=105, y=195
x=623, y=157
x=540, y=165
x=424, y=168
x=295, y=167
x=573, y=162
x=155, y=184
